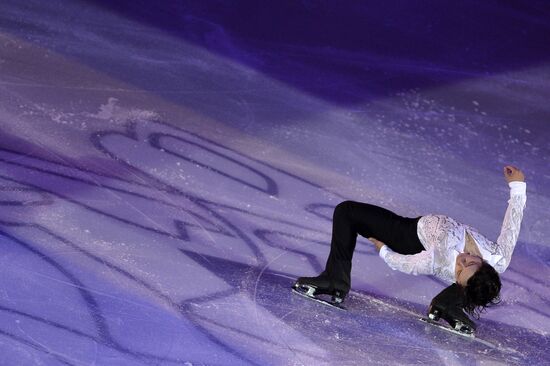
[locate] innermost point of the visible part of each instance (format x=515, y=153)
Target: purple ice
x=169, y=168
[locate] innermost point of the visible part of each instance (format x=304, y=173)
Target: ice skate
x=447, y=305
x=320, y=289
x=457, y=320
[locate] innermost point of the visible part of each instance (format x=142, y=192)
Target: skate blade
x=308, y=290
x=448, y=328
x=298, y=290
x=313, y=291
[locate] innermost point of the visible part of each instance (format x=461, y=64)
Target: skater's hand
x=377, y=243
x=512, y=174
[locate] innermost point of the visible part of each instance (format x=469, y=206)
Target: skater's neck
x=470, y=246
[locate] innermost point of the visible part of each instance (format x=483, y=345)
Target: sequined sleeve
x=420, y=263
x=509, y=232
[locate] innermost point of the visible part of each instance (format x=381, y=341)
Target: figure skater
x=430, y=245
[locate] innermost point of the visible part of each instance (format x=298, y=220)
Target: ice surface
x=163, y=183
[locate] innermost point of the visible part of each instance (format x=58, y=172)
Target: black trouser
x=352, y=218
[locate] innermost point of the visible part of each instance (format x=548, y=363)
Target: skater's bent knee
x=343, y=206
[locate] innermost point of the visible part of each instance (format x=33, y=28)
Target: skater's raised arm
x=511, y=224
x=420, y=263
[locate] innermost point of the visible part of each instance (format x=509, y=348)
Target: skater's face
x=466, y=265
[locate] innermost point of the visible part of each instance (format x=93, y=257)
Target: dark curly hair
x=482, y=290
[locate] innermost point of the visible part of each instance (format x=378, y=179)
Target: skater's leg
x=352, y=218
x=397, y=232
x=344, y=239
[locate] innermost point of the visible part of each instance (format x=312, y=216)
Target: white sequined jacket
x=444, y=238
